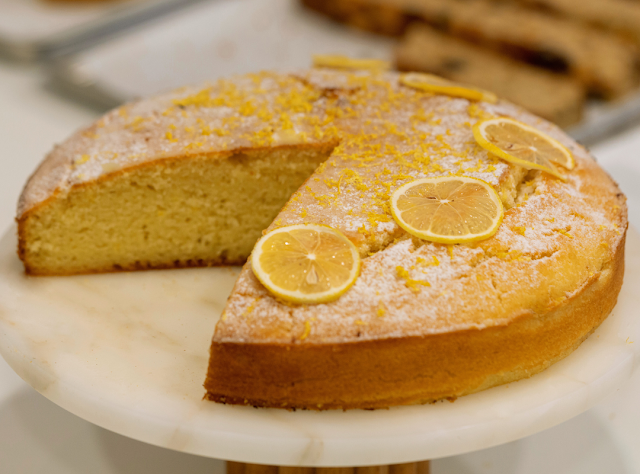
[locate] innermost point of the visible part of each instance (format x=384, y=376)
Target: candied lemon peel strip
x=306, y=263
x=523, y=145
x=448, y=209
x=440, y=85
x=344, y=62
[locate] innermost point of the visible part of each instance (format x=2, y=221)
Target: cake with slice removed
x=192, y=177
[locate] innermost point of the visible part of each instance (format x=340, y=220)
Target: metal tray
x=32, y=30
x=208, y=41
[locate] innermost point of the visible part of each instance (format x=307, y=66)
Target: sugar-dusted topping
x=376, y=120
x=548, y=247
x=217, y=119
x=555, y=240
x=389, y=134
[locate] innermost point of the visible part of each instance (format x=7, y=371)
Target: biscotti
x=604, y=63
x=551, y=96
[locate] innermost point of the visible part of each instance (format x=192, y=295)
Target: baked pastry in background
x=552, y=97
x=540, y=54
x=606, y=64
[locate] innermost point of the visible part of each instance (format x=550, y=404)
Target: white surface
x=211, y=40
x=37, y=437
x=129, y=352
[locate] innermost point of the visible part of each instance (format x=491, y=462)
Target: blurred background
x=65, y=62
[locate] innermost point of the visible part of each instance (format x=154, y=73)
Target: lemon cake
x=194, y=176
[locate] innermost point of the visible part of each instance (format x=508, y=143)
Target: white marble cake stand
x=128, y=352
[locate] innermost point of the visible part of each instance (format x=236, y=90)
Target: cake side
x=600, y=60
x=415, y=369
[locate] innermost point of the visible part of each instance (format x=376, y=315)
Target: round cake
x=192, y=178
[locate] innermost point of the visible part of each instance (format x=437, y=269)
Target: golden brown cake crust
x=411, y=370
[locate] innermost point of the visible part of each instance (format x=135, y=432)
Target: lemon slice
x=448, y=209
x=306, y=263
x=523, y=145
x=440, y=85
x=344, y=62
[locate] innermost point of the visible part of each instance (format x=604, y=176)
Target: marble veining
x=129, y=352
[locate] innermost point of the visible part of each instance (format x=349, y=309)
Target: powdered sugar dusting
x=559, y=236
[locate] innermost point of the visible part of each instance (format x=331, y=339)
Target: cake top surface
x=265, y=110
x=555, y=239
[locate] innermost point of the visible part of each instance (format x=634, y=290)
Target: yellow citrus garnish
x=448, y=209
x=440, y=85
x=344, y=62
x=523, y=145
x=306, y=263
